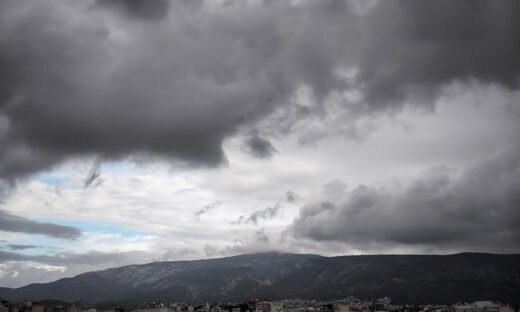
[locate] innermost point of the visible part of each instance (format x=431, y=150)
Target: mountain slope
x=405, y=278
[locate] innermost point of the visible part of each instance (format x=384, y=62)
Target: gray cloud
x=90, y=258
x=206, y=209
x=260, y=147
x=473, y=209
x=291, y=196
x=267, y=213
x=142, y=9
x=180, y=254
x=172, y=94
x=21, y=247
x=261, y=237
x=74, y=83
x=258, y=241
x=413, y=48
x=11, y=223
x=94, y=175
x=17, y=274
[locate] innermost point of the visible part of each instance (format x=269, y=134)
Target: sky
x=134, y=131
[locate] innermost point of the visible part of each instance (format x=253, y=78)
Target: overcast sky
x=134, y=131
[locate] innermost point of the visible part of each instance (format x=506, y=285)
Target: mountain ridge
x=278, y=275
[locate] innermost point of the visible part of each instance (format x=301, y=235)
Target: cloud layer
x=414, y=48
x=81, y=79
x=141, y=9
x=12, y=223
x=474, y=209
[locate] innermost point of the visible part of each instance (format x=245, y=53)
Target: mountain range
x=413, y=279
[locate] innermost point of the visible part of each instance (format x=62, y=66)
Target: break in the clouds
x=473, y=209
x=12, y=223
x=82, y=78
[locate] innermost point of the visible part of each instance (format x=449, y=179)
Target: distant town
x=350, y=304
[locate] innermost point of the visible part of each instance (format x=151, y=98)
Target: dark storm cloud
x=76, y=82
x=267, y=213
x=143, y=9
x=71, y=86
x=11, y=223
x=260, y=147
x=413, y=48
x=477, y=208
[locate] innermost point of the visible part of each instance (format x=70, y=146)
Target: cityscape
x=349, y=304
